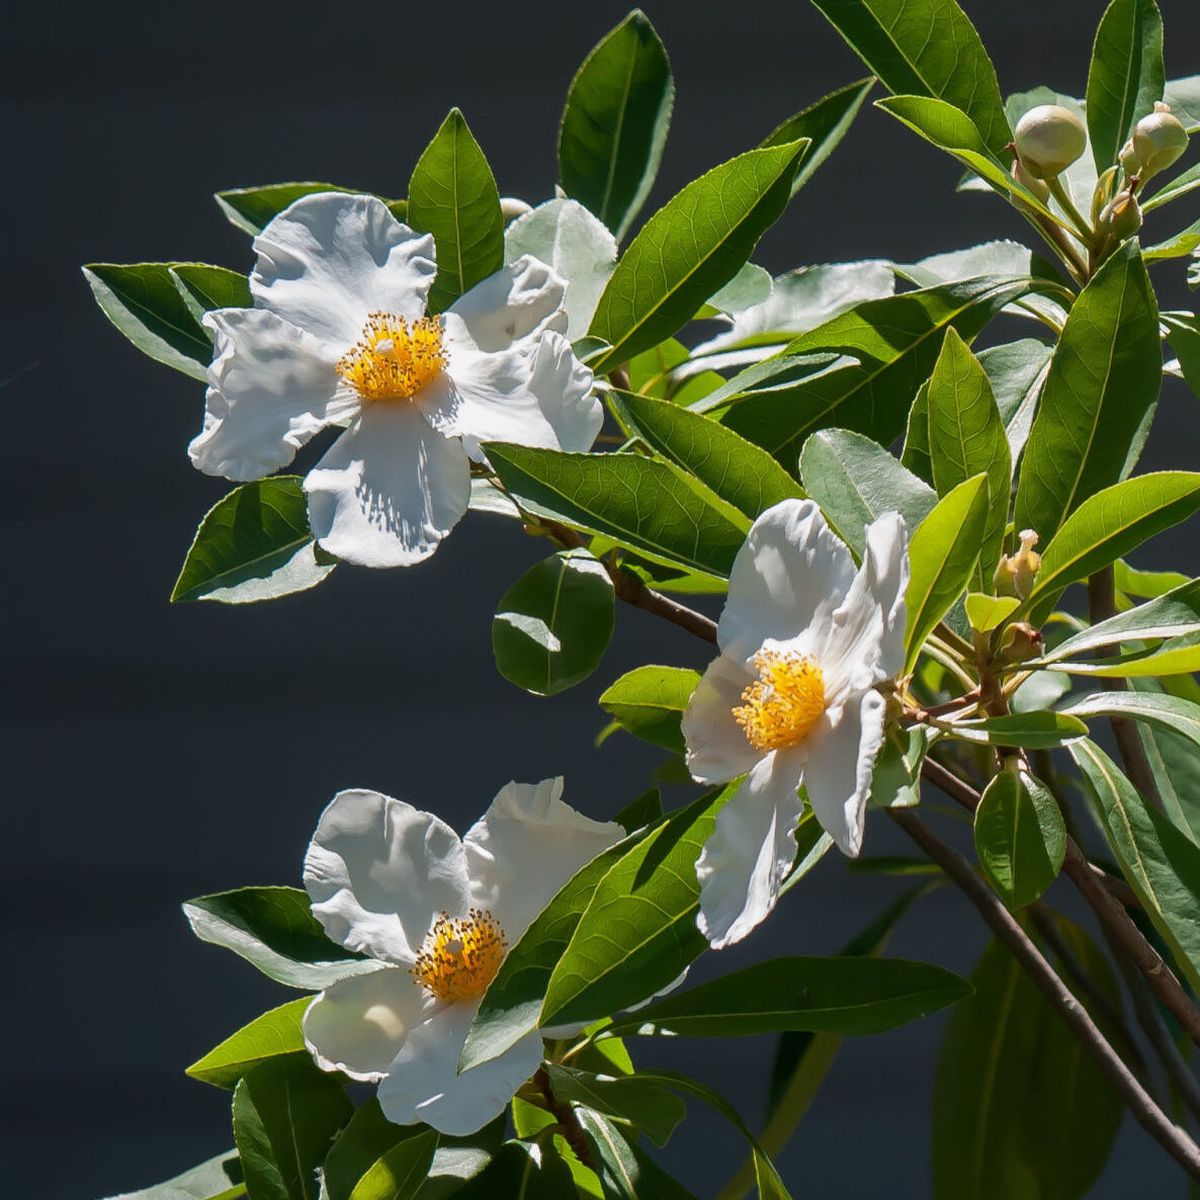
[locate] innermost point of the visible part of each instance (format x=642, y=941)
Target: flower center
x=394, y=359
x=784, y=702
x=460, y=955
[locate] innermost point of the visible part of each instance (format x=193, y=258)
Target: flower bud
x=511, y=208
x=1049, y=138
x=1130, y=163
x=1016, y=572
x=1020, y=643
x=1106, y=186
x=1122, y=216
x=1039, y=187
x=1159, y=140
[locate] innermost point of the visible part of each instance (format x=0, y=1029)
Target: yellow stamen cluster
x=394, y=359
x=460, y=955
x=784, y=702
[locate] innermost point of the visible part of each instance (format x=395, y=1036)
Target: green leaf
x=849, y=996
x=1017, y=373
x=204, y=287
x=617, y=1165
x=553, y=625
x=644, y=505
x=928, y=48
x=522, y=1171
x=1126, y=76
x=1160, y=862
x=1183, y=332
x=252, y=209
x=691, y=247
x=896, y=777
x=273, y=929
x=218, y=1178
x=1020, y=837
x=285, y=1115
x=399, y=1173
x=1020, y=1109
x=1183, y=243
x=648, y=1109
x=615, y=123
x=649, y=702
x=896, y=342
x=639, y=931
x=986, y=612
x=751, y=480
x=1181, y=185
x=1108, y=525
x=1099, y=396
x=453, y=195
x=142, y=301
x=824, y=124
x=855, y=481
x=253, y=544
x=275, y=1033
x=1025, y=731
x=942, y=555
x=967, y=438
x=1183, y=95
x=1172, y=757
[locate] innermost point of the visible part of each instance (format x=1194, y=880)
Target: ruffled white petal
x=751, y=850
x=841, y=758
x=378, y=871
x=358, y=1025
x=563, y=387
x=521, y=299
x=332, y=258
x=789, y=576
x=389, y=489
x=525, y=847
x=422, y=1083
x=717, y=749
x=577, y=245
x=271, y=386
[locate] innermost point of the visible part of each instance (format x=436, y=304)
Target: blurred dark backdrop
x=155, y=753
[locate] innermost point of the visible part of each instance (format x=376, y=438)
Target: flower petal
x=525, y=847
x=423, y=1083
x=522, y=298
x=378, y=871
x=751, y=850
x=790, y=574
x=271, y=386
x=577, y=245
x=389, y=489
x=837, y=774
x=332, y=258
x=563, y=387
x=358, y=1025
x=717, y=749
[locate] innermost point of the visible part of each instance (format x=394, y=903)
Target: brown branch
x=1170, y=1136
x=564, y=1114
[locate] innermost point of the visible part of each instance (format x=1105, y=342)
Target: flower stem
x=569, y=1124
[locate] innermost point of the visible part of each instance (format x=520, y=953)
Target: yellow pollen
x=784, y=702
x=394, y=359
x=460, y=955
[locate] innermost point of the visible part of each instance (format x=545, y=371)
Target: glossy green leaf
x=400, y=1172
x=927, y=48
x=252, y=209
x=452, y=194
x=896, y=777
x=612, y=1150
x=218, y=1178
x=142, y=301
x=942, y=555
x=521, y=1171
x=967, y=438
x=649, y=702
x=691, y=247
x=1185, y=242
x=849, y=996
x=253, y=544
x=1183, y=332
x=286, y=1113
x=896, y=342
x=986, y=612
x=1183, y=95
x=749, y=478
x=1184, y=183
x=1025, y=731
x=1099, y=396
x=639, y=931
x=1108, y=525
x=205, y=287
x=274, y=930
x=1017, y=373
x=824, y=124
x=553, y=625
x=275, y=1033
x=648, y=1109
x=1020, y=837
x=1160, y=862
x=644, y=505
x=855, y=481
x=1126, y=76
x=615, y=123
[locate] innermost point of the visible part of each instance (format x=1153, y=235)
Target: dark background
x=155, y=753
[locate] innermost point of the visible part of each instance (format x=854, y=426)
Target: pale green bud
x=1049, y=138
x=1130, y=163
x=1123, y=216
x=1106, y=185
x=1016, y=573
x=1159, y=140
x=1039, y=187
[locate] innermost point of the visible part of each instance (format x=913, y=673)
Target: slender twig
x=564, y=1114
x=1170, y=1136
x=1058, y=237
x=1101, y=606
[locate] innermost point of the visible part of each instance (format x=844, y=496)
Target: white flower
x=438, y=914
x=792, y=699
x=339, y=336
